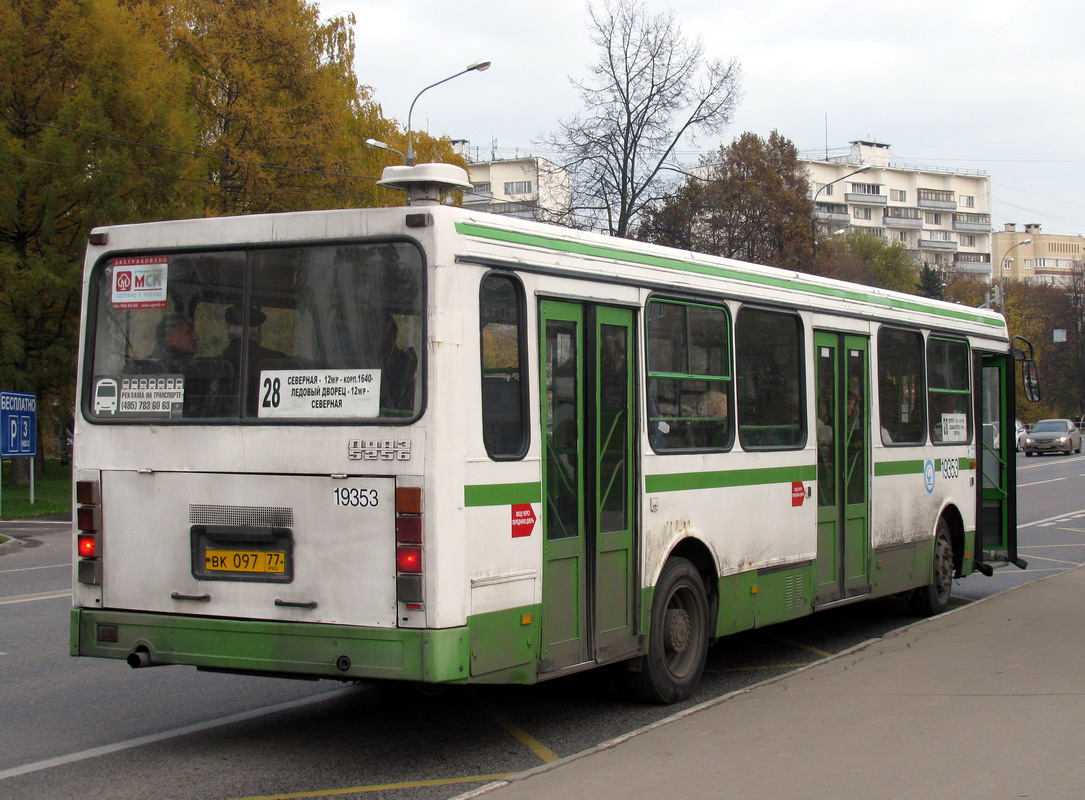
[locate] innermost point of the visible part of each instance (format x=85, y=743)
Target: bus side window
x=503, y=351
x=689, y=378
x=949, y=396
x=769, y=368
x=901, y=387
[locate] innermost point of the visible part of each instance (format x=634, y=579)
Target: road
x=85, y=728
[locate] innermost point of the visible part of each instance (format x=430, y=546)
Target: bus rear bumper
x=302, y=650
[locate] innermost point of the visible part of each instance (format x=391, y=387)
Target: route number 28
x=272, y=394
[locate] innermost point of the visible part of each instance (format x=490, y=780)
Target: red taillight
x=88, y=545
x=88, y=521
x=408, y=558
x=409, y=580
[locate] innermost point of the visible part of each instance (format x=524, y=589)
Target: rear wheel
x=934, y=597
x=678, y=639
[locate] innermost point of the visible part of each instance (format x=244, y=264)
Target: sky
x=993, y=86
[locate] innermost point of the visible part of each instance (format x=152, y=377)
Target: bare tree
x=650, y=88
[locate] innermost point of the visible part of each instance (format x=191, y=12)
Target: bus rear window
x=310, y=334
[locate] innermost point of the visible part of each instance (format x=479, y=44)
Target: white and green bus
x=433, y=445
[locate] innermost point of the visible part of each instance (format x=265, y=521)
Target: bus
x=441, y=446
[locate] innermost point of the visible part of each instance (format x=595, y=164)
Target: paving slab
x=986, y=701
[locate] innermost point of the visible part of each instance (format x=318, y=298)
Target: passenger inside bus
x=248, y=340
x=176, y=342
x=398, y=368
x=239, y=338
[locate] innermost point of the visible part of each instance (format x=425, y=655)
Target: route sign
x=18, y=424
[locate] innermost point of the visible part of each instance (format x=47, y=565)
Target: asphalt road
x=86, y=728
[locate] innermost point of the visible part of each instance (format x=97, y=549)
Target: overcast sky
x=986, y=85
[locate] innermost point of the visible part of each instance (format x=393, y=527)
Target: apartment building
x=942, y=217
x=528, y=187
x=1032, y=256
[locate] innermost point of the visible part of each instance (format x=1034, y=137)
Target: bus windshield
x=316, y=333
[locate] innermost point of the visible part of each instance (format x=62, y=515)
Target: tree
x=868, y=259
x=930, y=282
x=749, y=201
x=90, y=133
x=650, y=87
x=282, y=118
x=1035, y=312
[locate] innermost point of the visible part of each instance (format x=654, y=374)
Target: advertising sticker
x=139, y=282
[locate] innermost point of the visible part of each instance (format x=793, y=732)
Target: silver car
x=1053, y=436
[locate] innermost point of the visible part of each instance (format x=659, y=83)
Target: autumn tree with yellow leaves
x=116, y=111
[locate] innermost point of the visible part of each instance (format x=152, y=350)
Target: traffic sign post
x=18, y=431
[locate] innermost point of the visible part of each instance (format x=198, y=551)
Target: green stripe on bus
x=600, y=251
x=915, y=467
x=725, y=478
x=899, y=467
x=502, y=494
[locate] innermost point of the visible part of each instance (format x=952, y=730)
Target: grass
x=52, y=493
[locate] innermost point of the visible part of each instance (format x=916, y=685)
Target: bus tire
x=934, y=597
x=678, y=638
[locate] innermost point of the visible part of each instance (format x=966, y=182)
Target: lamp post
x=1002, y=271
x=823, y=187
x=478, y=66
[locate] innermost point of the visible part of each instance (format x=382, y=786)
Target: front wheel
x=678, y=639
x=934, y=597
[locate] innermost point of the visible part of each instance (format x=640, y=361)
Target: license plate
x=271, y=561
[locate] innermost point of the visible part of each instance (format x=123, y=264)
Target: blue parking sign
x=18, y=424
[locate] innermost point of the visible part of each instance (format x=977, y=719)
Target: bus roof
x=500, y=240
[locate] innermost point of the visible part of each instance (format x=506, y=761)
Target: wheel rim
x=682, y=622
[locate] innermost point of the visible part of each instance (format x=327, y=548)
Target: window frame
x=801, y=378
x=936, y=392
x=726, y=378
x=523, y=365
x=248, y=252
x=921, y=390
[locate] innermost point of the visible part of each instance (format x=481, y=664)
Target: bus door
x=843, y=431
x=589, y=571
x=996, y=534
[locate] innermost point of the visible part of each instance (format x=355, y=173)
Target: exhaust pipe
x=140, y=658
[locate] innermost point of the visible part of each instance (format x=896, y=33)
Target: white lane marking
x=28, y=569
x=1047, y=520
x=29, y=598
x=94, y=752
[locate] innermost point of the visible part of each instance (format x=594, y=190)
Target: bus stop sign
x=18, y=424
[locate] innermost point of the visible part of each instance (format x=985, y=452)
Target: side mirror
x=1030, y=378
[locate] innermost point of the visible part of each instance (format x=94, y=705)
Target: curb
x=11, y=545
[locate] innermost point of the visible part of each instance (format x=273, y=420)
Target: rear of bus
x=250, y=450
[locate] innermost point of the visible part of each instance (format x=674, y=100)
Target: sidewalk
x=987, y=701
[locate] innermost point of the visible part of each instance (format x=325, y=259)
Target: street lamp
x=478, y=66
x=1002, y=271
x=824, y=186
x=382, y=146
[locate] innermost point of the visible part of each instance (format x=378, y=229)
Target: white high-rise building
x=942, y=217
x=529, y=187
